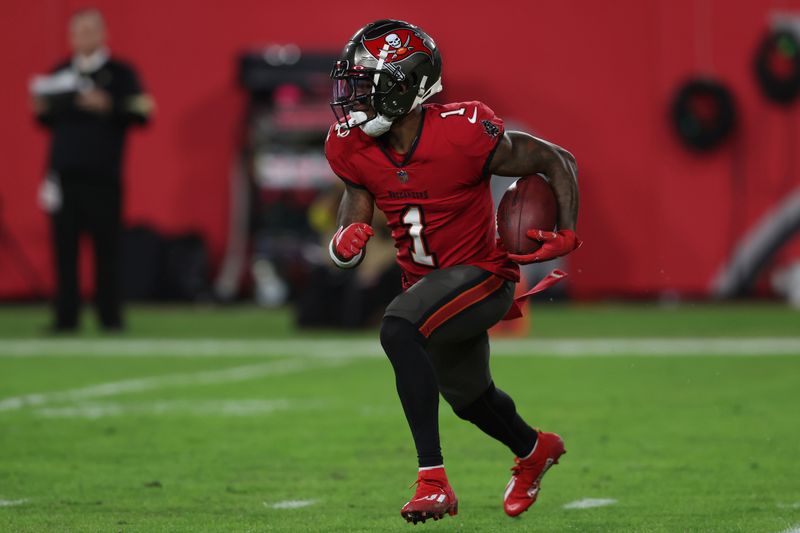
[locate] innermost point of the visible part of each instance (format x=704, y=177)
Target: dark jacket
x=90, y=142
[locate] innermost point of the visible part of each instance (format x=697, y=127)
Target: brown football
x=528, y=204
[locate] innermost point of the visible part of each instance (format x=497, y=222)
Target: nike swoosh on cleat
x=474, y=116
x=509, y=488
x=431, y=498
x=513, y=507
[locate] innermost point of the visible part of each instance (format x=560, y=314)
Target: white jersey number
x=419, y=251
x=459, y=111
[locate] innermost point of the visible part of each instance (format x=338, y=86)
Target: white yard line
x=183, y=407
x=12, y=503
x=720, y=346
x=588, y=503
x=290, y=504
x=795, y=529
x=362, y=347
x=225, y=375
x=200, y=347
x=310, y=353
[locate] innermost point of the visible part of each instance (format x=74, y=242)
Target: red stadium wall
x=596, y=77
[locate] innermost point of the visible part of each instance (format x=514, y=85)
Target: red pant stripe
x=459, y=303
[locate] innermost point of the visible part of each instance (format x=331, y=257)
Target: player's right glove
x=554, y=244
x=347, y=245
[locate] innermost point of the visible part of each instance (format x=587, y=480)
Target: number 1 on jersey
x=416, y=222
x=459, y=111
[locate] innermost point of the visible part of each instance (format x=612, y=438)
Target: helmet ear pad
x=397, y=99
x=403, y=87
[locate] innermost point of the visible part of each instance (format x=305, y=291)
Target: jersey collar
x=407, y=157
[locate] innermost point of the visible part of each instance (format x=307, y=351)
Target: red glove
x=348, y=242
x=554, y=244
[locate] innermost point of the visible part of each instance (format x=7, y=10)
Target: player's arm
x=355, y=213
x=520, y=154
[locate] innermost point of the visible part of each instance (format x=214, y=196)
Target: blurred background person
x=88, y=102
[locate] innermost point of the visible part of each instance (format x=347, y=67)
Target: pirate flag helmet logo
x=390, y=65
x=396, y=46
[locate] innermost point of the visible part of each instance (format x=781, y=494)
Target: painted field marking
x=795, y=529
x=588, y=503
x=290, y=504
x=12, y=503
x=209, y=377
x=254, y=407
x=363, y=347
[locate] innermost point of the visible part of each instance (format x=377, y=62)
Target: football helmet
x=389, y=65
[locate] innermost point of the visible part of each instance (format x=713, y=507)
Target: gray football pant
x=453, y=308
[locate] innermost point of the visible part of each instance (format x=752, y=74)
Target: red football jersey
x=436, y=197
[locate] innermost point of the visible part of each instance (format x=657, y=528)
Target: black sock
x=496, y=415
x=416, y=386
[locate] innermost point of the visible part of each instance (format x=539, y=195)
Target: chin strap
x=423, y=93
x=374, y=127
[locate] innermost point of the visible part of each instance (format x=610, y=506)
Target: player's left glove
x=554, y=244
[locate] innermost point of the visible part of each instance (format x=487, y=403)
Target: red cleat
x=434, y=498
x=522, y=490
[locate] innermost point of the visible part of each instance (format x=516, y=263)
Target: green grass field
x=228, y=419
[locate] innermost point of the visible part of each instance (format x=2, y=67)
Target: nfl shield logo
x=402, y=175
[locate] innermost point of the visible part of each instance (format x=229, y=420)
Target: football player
x=427, y=167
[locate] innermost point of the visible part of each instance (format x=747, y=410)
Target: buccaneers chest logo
x=396, y=46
